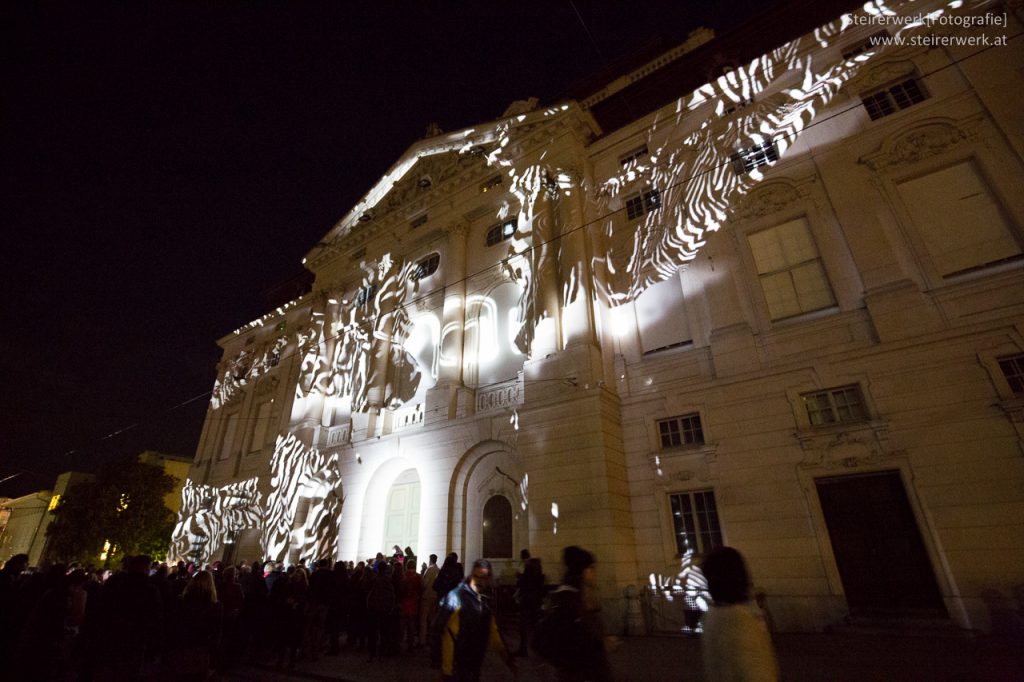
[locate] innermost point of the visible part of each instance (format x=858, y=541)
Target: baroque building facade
x=780, y=307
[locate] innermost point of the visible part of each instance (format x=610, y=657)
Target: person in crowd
x=380, y=601
x=358, y=614
x=337, y=613
x=428, y=601
x=467, y=628
x=46, y=642
x=570, y=633
x=12, y=610
x=529, y=597
x=198, y=631
x=449, y=577
x=736, y=644
x=232, y=597
x=122, y=633
x=393, y=630
x=254, y=609
x=274, y=572
x=321, y=596
x=412, y=593
x=296, y=595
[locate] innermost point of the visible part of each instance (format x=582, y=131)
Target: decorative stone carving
x=500, y=396
x=767, y=200
x=920, y=142
x=883, y=74
x=684, y=464
x=846, y=446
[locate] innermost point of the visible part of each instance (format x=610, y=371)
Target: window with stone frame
x=1012, y=367
x=790, y=270
x=680, y=431
x=229, y=440
x=754, y=156
x=892, y=98
x=261, y=425
x=500, y=232
x=960, y=224
x=695, y=522
x=842, y=404
x=426, y=267
x=640, y=204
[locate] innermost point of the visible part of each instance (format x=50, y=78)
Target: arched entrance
x=402, y=515
x=489, y=485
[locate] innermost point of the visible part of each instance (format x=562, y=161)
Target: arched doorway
x=489, y=484
x=497, y=528
x=402, y=512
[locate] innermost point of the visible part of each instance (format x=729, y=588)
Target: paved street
x=848, y=656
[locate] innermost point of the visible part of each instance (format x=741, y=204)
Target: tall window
x=229, y=437
x=695, y=520
x=262, y=425
x=661, y=316
x=790, y=270
x=892, y=98
x=498, y=528
x=642, y=203
x=834, y=405
x=1013, y=369
x=958, y=219
x=678, y=431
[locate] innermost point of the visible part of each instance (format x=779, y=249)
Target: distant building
x=175, y=466
x=28, y=517
x=765, y=290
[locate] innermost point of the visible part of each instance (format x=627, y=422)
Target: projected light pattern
x=292, y=468
x=384, y=344
x=209, y=513
x=680, y=599
x=695, y=174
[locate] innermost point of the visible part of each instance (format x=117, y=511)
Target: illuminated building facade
x=780, y=307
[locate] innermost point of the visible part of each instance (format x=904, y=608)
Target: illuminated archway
x=488, y=469
x=377, y=497
x=402, y=512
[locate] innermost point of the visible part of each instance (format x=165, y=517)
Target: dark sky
x=166, y=164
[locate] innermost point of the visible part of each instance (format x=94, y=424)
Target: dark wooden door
x=878, y=548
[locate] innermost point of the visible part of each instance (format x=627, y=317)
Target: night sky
x=166, y=165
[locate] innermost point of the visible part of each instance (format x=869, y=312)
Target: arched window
x=498, y=528
x=426, y=267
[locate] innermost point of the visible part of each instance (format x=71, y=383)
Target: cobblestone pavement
x=838, y=657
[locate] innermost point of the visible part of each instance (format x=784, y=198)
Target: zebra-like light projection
x=697, y=175
x=577, y=238
x=208, y=514
x=293, y=467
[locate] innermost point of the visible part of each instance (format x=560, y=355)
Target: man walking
x=468, y=627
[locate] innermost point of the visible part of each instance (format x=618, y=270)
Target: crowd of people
x=151, y=621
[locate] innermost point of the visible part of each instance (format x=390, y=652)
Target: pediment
x=431, y=165
x=428, y=176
